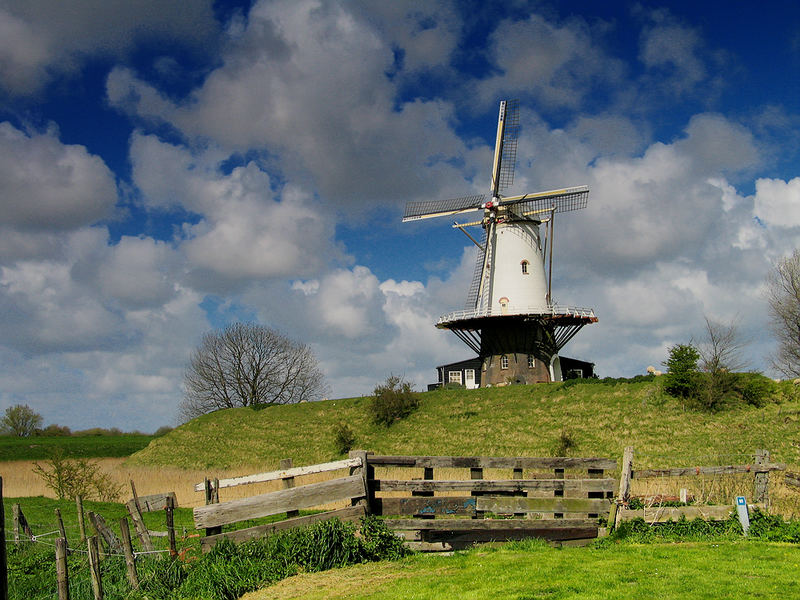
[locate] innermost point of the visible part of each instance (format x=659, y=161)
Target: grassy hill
x=600, y=418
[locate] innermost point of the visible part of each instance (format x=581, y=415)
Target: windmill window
x=454, y=376
x=524, y=264
x=504, y=362
x=531, y=361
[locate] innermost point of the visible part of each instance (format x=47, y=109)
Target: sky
x=170, y=166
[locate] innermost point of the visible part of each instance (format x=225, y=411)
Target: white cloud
x=777, y=202
x=307, y=82
x=46, y=185
x=246, y=230
x=40, y=39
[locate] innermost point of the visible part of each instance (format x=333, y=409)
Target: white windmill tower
x=510, y=319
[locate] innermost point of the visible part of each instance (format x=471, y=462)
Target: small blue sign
x=741, y=510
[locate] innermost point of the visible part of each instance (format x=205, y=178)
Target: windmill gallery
x=509, y=319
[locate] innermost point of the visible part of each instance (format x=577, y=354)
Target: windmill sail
x=440, y=208
x=508, y=153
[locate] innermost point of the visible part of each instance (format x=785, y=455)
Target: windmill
x=510, y=319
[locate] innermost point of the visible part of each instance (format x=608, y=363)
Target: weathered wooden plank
x=511, y=505
x=494, y=485
x=494, y=462
x=456, y=538
x=350, y=513
x=156, y=502
x=428, y=506
x=306, y=496
x=430, y=546
x=285, y=473
x=792, y=479
x=713, y=470
x=674, y=513
x=487, y=524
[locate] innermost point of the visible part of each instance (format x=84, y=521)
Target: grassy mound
x=596, y=419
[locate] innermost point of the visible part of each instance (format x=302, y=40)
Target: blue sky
x=168, y=167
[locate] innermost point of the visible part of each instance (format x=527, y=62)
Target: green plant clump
x=344, y=438
x=393, y=400
x=225, y=573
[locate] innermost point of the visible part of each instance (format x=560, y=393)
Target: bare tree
x=21, y=420
x=721, y=348
x=246, y=365
x=783, y=295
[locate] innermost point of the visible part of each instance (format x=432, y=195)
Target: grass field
x=528, y=570
x=86, y=446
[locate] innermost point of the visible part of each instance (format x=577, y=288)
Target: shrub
x=344, y=438
x=564, y=443
x=393, y=400
x=71, y=477
x=754, y=388
x=681, y=379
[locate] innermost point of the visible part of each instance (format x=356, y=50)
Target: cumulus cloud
x=42, y=38
x=559, y=64
x=777, y=202
x=46, y=185
x=307, y=82
x=245, y=230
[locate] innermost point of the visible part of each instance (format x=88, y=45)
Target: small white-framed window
x=504, y=362
x=454, y=377
x=524, y=264
x=531, y=361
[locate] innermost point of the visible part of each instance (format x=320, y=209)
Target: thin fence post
x=762, y=479
x=62, y=574
x=288, y=483
x=127, y=549
x=81, y=522
x=3, y=558
x=624, y=484
x=215, y=494
x=139, y=525
x=169, y=512
x=476, y=473
x=61, y=528
x=21, y=524
x=94, y=567
x=111, y=540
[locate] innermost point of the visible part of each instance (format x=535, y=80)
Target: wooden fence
x=560, y=499
x=656, y=512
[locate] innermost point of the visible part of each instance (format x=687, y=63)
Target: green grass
x=529, y=570
x=512, y=421
x=84, y=446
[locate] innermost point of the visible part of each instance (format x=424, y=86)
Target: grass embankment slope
x=510, y=421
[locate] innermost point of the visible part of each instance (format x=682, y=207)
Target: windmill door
x=469, y=379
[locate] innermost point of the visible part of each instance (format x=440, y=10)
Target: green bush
x=393, y=400
x=681, y=379
x=344, y=438
x=754, y=388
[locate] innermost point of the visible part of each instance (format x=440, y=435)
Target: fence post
x=476, y=473
x=288, y=482
x=624, y=484
x=21, y=524
x=62, y=574
x=138, y=523
x=99, y=523
x=367, y=473
x=762, y=479
x=212, y=497
x=3, y=558
x=169, y=511
x=127, y=548
x=81, y=523
x=94, y=567
x=61, y=529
